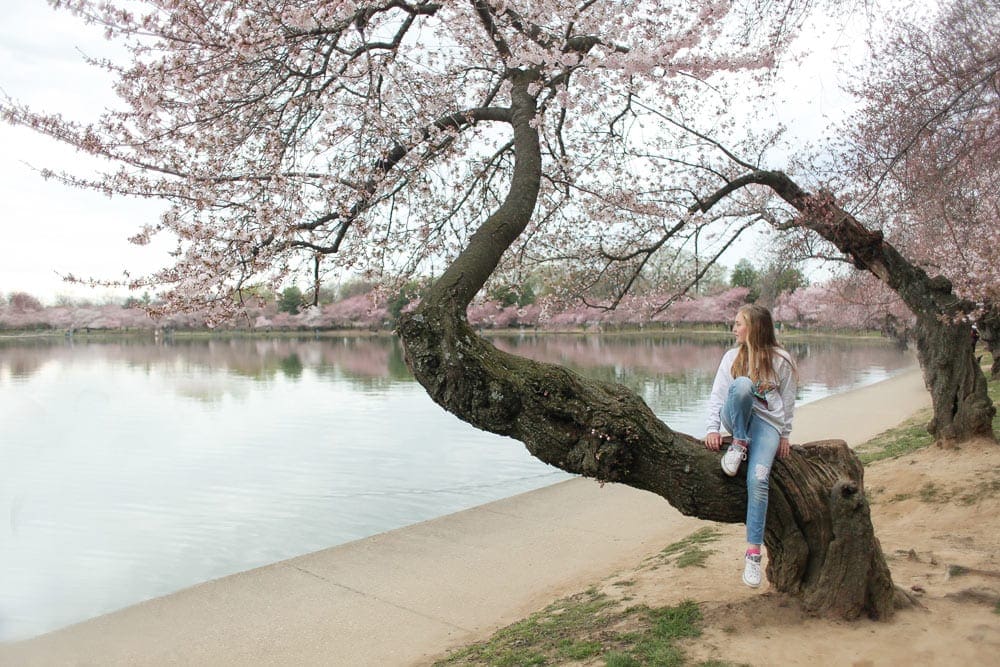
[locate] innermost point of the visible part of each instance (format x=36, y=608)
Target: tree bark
x=898, y=331
x=605, y=431
x=989, y=333
x=958, y=388
x=820, y=538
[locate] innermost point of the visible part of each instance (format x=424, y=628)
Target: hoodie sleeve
x=720, y=387
x=787, y=386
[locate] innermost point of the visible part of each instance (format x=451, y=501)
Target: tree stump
x=820, y=540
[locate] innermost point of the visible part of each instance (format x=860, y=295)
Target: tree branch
x=486, y=18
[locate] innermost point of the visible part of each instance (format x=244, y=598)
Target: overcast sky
x=49, y=229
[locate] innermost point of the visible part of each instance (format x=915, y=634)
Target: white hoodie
x=780, y=401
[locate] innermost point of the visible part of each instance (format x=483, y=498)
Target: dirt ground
x=937, y=515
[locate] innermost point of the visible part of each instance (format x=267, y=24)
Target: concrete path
x=404, y=597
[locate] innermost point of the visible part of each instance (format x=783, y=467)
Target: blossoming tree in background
x=925, y=150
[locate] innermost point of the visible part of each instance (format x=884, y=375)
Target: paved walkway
x=403, y=597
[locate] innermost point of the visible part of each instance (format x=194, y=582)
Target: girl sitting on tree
x=753, y=397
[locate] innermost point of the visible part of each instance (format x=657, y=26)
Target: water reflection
x=630, y=359
x=132, y=469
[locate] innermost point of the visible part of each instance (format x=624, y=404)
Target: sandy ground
x=937, y=515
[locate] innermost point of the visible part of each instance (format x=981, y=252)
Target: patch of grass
x=562, y=629
x=619, y=659
x=694, y=556
x=957, y=570
x=581, y=628
x=906, y=438
x=996, y=607
x=993, y=389
x=684, y=620
x=985, y=489
x=579, y=650
x=657, y=646
x=700, y=536
x=932, y=493
x=660, y=654
x=689, y=551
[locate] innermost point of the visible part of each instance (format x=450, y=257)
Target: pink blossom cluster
x=924, y=149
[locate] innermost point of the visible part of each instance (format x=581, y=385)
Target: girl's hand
x=784, y=447
x=713, y=441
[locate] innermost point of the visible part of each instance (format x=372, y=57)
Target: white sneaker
x=731, y=460
x=751, y=571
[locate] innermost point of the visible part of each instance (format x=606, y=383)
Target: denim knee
x=742, y=387
x=758, y=483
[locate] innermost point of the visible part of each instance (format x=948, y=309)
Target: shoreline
x=709, y=330
x=405, y=596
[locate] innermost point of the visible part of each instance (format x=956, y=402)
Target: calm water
x=133, y=469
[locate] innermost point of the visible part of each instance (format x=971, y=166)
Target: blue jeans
x=739, y=419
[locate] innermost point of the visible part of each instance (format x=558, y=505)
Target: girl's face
x=740, y=329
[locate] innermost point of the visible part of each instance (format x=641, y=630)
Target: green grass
x=932, y=493
x=560, y=631
x=906, y=438
x=912, y=435
x=992, y=389
x=694, y=557
x=689, y=551
x=585, y=627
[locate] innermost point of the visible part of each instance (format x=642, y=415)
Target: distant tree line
x=536, y=302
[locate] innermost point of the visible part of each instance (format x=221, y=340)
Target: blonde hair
x=755, y=358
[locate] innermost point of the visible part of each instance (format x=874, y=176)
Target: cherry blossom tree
x=22, y=302
x=390, y=136
x=857, y=301
x=926, y=148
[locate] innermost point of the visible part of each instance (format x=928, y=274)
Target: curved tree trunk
x=958, y=388
x=819, y=536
